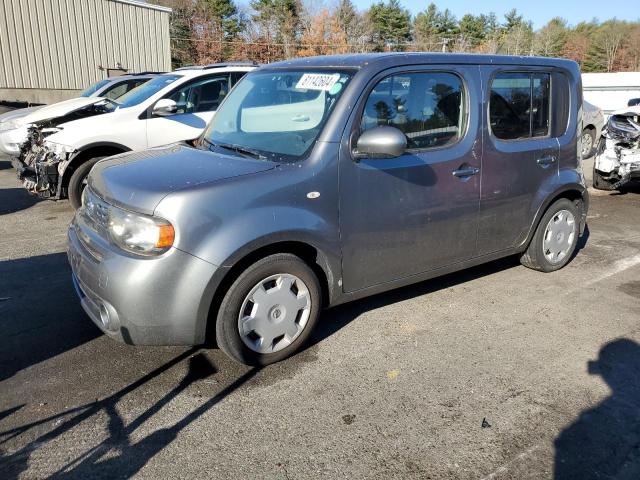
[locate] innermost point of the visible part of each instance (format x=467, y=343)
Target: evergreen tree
x=473, y=28
x=225, y=14
x=390, y=24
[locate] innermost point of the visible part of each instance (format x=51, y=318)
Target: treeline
x=216, y=30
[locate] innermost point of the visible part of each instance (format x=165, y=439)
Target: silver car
x=328, y=179
x=592, y=125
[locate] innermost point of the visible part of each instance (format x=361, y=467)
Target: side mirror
x=633, y=102
x=381, y=142
x=165, y=107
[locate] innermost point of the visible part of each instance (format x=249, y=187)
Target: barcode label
x=317, y=81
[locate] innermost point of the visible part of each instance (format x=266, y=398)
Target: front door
x=520, y=155
x=418, y=212
x=197, y=102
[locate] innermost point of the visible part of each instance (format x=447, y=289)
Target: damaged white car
x=59, y=153
x=618, y=155
x=14, y=124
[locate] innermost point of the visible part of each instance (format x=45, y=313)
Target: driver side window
x=201, y=96
x=426, y=107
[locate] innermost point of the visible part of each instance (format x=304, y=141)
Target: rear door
x=520, y=154
x=197, y=102
x=403, y=216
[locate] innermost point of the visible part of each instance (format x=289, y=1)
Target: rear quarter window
x=520, y=105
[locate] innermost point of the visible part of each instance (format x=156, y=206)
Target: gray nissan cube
x=324, y=180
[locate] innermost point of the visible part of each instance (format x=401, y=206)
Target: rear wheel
x=555, y=239
x=588, y=142
x=269, y=311
x=78, y=181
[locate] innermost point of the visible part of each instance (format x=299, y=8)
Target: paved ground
x=395, y=386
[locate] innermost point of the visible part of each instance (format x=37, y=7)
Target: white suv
x=58, y=155
x=12, y=124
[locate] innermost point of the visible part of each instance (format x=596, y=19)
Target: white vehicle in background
x=618, y=155
x=12, y=123
x=592, y=125
x=58, y=155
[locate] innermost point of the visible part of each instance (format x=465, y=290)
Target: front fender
x=261, y=227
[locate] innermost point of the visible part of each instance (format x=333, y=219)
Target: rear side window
x=426, y=107
x=519, y=105
x=202, y=95
x=117, y=90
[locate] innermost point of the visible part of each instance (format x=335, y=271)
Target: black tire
x=592, y=134
x=599, y=182
x=534, y=256
x=227, y=331
x=77, y=181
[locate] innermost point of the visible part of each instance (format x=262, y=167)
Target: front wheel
x=269, y=311
x=555, y=240
x=78, y=181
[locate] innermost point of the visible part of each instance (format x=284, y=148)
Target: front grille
x=95, y=211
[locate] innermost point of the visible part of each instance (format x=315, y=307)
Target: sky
x=538, y=11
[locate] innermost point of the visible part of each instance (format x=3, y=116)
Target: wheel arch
x=313, y=256
x=576, y=193
x=92, y=150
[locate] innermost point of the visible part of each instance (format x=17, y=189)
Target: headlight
x=132, y=232
x=139, y=234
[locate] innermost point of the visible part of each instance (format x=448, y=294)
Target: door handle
x=545, y=161
x=465, y=171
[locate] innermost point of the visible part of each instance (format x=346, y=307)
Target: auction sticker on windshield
x=317, y=81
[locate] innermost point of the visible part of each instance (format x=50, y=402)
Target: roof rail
x=145, y=73
x=242, y=63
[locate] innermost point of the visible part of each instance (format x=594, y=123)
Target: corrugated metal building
x=51, y=49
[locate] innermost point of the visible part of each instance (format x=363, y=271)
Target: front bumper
x=142, y=301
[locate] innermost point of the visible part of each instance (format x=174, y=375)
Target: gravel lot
x=394, y=386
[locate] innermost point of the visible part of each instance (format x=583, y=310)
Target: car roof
x=211, y=66
x=390, y=59
x=198, y=70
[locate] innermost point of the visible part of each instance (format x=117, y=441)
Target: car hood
x=16, y=114
x=59, y=109
x=140, y=180
x=628, y=111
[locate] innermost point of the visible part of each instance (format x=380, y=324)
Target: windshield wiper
x=238, y=149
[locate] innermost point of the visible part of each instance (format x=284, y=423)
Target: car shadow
x=5, y=164
x=121, y=454
x=40, y=315
x=604, y=442
x=632, y=187
x=15, y=199
x=338, y=317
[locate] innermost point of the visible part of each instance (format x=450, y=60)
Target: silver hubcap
x=274, y=313
x=587, y=143
x=559, y=236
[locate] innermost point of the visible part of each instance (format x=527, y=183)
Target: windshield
x=278, y=115
x=94, y=88
x=146, y=90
